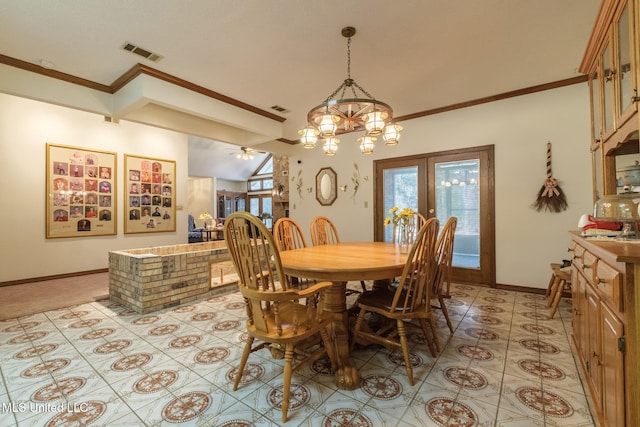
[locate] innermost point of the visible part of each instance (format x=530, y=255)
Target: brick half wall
x=151, y=279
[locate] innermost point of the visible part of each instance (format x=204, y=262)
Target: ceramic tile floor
x=98, y=364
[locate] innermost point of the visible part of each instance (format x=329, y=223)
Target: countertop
x=615, y=250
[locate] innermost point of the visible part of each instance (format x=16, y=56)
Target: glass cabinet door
x=598, y=185
x=608, y=75
x=221, y=211
x=227, y=206
x=596, y=119
x=239, y=204
x=624, y=77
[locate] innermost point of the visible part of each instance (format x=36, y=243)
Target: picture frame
x=80, y=192
x=326, y=186
x=149, y=195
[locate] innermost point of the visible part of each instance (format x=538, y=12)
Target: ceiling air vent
x=279, y=109
x=141, y=52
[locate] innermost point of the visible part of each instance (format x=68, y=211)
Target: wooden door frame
x=378, y=179
x=426, y=184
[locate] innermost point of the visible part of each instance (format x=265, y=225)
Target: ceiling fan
x=247, y=153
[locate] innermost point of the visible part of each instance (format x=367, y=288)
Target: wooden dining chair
x=410, y=301
x=324, y=232
x=278, y=315
x=418, y=221
x=288, y=235
x=444, y=256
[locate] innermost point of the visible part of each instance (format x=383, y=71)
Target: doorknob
x=431, y=211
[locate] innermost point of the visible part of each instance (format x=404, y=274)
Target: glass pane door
x=458, y=195
x=254, y=205
x=461, y=184
x=267, y=211
x=400, y=190
x=399, y=183
x=457, y=183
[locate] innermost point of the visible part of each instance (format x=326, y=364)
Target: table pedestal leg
x=347, y=376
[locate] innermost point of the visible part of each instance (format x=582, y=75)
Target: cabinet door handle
x=609, y=76
x=588, y=266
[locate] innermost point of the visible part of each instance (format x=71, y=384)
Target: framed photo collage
x=82, y=200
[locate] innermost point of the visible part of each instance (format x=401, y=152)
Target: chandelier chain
x=330, y=97
x=348, y=82
x=360, y=112
x=362, y=90
x=349, y=58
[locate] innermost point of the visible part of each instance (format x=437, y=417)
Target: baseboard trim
x=521, y=289
x=502, y=286
x=54, y=277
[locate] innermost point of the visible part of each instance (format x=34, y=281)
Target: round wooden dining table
x=340, y=263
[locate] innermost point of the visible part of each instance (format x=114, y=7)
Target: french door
x=403, y=180
x=452, y=183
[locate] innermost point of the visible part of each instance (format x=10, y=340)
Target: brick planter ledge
x=151, y=279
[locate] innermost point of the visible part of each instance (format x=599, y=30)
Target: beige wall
x=201, y=197
x=25, y=128
x=519, y=128
x=526, y=240
x=239, y=186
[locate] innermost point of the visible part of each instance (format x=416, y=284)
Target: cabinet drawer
x=589, y=265
x=578, y=255
x=608, y=281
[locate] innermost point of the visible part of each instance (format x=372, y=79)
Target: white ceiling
x=415, y=55
x=214, y=158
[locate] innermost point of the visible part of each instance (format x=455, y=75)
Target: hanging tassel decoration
x=550, y=196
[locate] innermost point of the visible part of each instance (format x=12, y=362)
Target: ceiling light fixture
x=245, y=155
x=362, y=112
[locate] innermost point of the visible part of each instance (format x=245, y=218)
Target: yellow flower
x=404, y=215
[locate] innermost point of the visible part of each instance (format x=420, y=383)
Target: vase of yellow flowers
x=206, y=219
x=404, y=227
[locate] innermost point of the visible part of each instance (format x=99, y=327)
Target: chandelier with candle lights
x=347, y=114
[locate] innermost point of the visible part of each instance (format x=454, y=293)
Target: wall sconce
x=343, y=188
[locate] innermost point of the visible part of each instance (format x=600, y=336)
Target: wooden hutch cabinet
x=606, y=274
x=602, y=316
x=230, y=202
x=611, y=62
